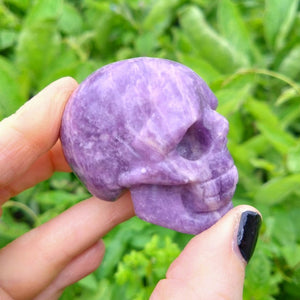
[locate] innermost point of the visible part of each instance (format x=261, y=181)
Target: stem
x=25, y=208
x=273, y=74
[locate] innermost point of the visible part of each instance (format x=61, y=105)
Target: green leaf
x=290, y=115
x=66, y=64
x=51, y=198
x=278, y=19
x=283, y=231
x=291, y=287
x=145, y=44
x=89, y=282
x=203, y=68
x=262, y=112
x=236, y=128
x=259, y=283
x=287, y=95
x=280, y=139
x=294, y=214
x=139, y=271
x=160, y=16
x=86, y=68
x=44, y=10
x=70, y=21
x=263, y=164
x=7, y=38
x=207, y=42
x=37, y=49
x=104, y=28
x=105, y=290
x=182, y=44
x=258, y=144
x=114, y=252
x=291, y=254
x=10, y=94
x=10, y=229
x=276, y=190
x=269, y=125
x=231, y=99
x=21, y=4
x=290, y=64
x=293, y=159
x=8, y=19
x=234, y=29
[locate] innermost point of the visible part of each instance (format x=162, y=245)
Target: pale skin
x=43, y=262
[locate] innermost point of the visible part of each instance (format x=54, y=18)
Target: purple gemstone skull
x=149, y=125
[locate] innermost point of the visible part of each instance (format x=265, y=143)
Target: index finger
x=32, y=130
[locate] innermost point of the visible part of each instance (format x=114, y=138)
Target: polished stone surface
x=150, y=125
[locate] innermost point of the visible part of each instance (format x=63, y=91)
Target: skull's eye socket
x=194, y=143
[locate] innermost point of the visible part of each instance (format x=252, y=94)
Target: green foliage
x=278, y=20
x=139, y=271
x=247, y=51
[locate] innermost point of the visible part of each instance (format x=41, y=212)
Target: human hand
x=41, y=263
x=212, y=265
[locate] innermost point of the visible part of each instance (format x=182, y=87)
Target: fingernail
x=247, y=233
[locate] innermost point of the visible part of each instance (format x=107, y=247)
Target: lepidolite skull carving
x=149, y=125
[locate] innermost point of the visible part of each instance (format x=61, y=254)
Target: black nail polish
x=248, y=232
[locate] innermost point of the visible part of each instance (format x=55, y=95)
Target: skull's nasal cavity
x=195, y=142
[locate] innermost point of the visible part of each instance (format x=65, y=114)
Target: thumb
x=212, y=265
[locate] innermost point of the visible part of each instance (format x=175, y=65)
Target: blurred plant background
x=247, y=51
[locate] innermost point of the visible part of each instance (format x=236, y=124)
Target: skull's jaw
x=163, y=205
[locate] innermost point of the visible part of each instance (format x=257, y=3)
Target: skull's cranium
x=149, y=125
